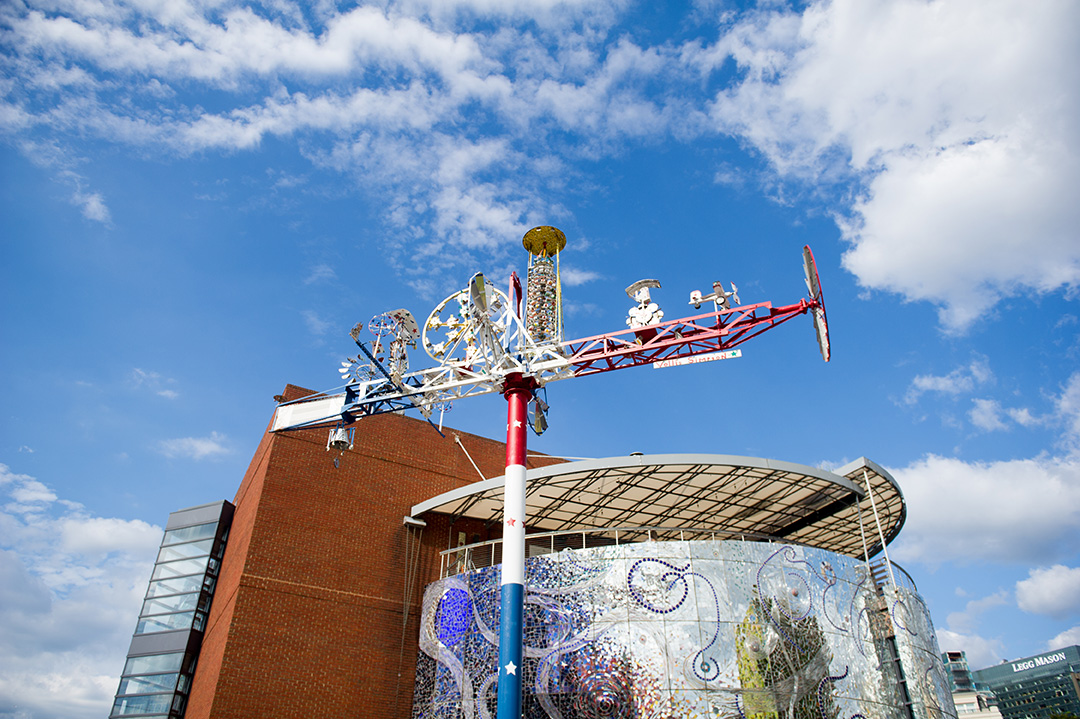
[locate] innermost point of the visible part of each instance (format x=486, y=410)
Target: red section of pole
x=518, y=392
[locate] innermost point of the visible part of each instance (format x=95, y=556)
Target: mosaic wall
x=731, y=629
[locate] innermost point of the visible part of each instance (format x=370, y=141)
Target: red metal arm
x=710, y=332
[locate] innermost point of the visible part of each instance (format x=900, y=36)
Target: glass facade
x=162, y=658
x=1037, y=687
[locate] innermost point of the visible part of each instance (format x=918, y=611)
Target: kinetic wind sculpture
x=481, y=342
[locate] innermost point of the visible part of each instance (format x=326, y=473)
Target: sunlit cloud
x=1008, y=511
x=1065, y=639
x=315, y=324
x=980, y=652
x=967, y=621
x=1052, y=591
x=153, y=381
x=961, y=380
x=572, y=277
x=957, y=164
x=965, y=157
x=196, y=448
x=70, y=586
x=320, y=273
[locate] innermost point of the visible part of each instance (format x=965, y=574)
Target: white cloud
x=92, y=205
x=1067, y=638
x=1023, y=416
x=320, y=273
x=955, y=122
x=190, y=45
x=960, y=117
x=194, y=447
x=990, y=416
x=315, y=324
x=153, y=381
x=986, y=415
x=967, y=621
x=1068, y=410
x=981, y=653
x=449, y=124
x=1051, y=591
x=572, y=277
x=30, y=491
x=960, y=381
x=1011, y=511
x=582, y=309
x=70, y=589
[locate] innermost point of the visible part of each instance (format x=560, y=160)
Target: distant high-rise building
x=956, y=669
x=1036, y=687
x=970, y=702
x=975, y=705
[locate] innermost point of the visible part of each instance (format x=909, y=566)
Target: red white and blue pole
x=518, y=391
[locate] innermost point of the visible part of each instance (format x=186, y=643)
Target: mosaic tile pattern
x=726, y=629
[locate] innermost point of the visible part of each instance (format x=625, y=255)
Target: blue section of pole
x=510, y=635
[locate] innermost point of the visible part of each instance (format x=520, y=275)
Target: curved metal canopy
x=722, y=493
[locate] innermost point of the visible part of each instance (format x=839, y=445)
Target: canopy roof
x=722, y=493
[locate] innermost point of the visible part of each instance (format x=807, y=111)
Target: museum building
x=364, y=582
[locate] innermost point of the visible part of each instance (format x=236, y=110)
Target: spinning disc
x=817, y=312
x=453, y=332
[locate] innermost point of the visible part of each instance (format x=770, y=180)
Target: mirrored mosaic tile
x=742, y=630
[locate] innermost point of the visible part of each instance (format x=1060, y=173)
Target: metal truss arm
x=711, y=332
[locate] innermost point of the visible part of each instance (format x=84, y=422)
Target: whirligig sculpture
x=482, y=342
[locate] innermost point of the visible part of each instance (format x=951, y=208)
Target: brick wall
x=307, y=619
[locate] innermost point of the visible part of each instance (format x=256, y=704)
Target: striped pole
x=518, y=391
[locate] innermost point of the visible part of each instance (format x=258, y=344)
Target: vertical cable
x=412, y=562
x=877, y=520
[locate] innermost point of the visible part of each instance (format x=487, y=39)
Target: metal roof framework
x=722, y=493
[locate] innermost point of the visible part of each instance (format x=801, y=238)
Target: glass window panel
x=190, y=534
x=164, y=623
x=142, y=705
x=181, y=568
x=176, y=585
x=221, y=547
x=176, y=603
x=153, y=664
x=148, y=684
x=183, y=551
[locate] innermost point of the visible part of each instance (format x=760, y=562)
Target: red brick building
x=316, y=604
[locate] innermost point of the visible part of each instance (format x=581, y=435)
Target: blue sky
x=201, y=198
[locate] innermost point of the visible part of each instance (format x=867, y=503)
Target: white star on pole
x=517, y=423
x=511, y=668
